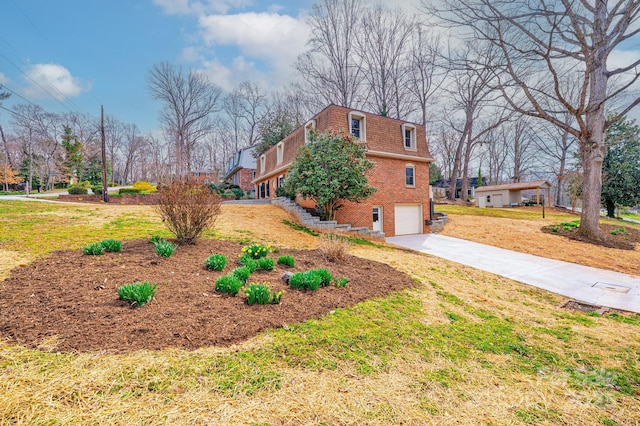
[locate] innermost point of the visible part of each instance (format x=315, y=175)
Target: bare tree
x=472, y=96
x=497, y=153
x=189, y=100
x=542, y=45
x=253, y=104
x=331, y=67
x=425, y=73
x=383, y=44
x=521, y=152
x=114, y=135
x=558, y=147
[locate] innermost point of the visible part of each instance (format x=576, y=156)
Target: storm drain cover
x=612, y=287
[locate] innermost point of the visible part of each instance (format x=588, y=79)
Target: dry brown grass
x=334, y=247
x=176, y=387
x=524, y=235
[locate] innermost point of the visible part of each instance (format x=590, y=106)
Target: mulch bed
x=615, y=236
x=71, y=299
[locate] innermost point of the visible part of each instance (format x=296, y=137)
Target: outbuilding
x=510, y=194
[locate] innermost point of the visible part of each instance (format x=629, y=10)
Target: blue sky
x=91, y=52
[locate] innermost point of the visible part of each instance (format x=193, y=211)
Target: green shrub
x=93, y=249
x=266, y=264
x=237, y=192
x=242, y=273
x=128, y=191
x=305, y=281
x=165, y=248
x=248, y=262
x=97, y=190
x=325, y=276
x=216, y=262
x=77, y=190
x=341, y=283
x=137, y=293
x=256, y=251
x=287, y=261
x=112, y=246
x=261, y=294
x=228, y=284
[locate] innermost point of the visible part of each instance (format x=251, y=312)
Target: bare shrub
x=188, y=208
x=334, y=247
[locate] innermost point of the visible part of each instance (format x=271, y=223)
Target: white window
x=409, y=136
x=309, y=127
x=280, y=181
x=410, y=175
x=280, y=152
x=262, y=163
x=358, y=125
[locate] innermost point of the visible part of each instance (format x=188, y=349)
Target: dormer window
x=262, y=163
x=280, y=152
x=409, y=136
x=308, y=128
x=358, y=125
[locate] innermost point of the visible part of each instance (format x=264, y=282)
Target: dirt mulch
x=615, y=236
x=68, y=301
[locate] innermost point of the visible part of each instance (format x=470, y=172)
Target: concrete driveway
x=583, y=283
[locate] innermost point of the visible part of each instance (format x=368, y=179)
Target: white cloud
x=52, y=80
x=269, y=36
x=186, y=7
x=3, y=79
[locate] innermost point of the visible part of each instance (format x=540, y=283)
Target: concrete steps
x=307, y=219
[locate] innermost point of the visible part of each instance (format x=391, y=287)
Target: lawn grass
x=463, y=347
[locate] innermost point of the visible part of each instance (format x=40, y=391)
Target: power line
x=30, y=78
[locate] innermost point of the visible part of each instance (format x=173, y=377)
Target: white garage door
x=408, y=219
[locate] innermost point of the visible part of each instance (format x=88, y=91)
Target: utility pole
x=105, y=192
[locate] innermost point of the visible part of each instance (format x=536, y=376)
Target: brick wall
x=244, y=178
x=389, y=177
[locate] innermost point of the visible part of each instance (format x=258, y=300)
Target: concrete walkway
x=591, y=285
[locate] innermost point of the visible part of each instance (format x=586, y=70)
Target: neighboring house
x=441, y=187
x=402, y=203
x=241, y=169
x=203, y=177
x=510, y=194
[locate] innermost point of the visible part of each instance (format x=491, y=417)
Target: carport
x=510, y=194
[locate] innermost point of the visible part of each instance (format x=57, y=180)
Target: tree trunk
x=592, y=156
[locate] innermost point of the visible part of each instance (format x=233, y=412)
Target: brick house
x=241, y=169
x=402, y=203
x=203, y=177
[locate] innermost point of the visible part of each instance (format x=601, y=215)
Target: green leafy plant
x=325, y=276
x=216, y=262
x=93, y=249
x=341, y=282
x=228, y=284
x=248, y=262
x=256, y=251
x=261, y=294
x=266, y=263
x=155, y=239
x=242, y=273
x=97, y=190
x=165, y=248
x=305, y=281
x=138, y=293
x=287, y=261
x=112, y=246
